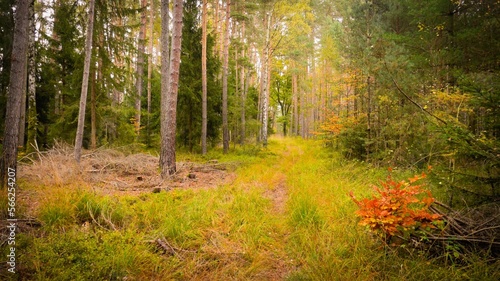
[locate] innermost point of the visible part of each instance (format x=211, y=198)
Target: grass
x=287, y=216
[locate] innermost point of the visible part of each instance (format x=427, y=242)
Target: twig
x=484, y=229
x=409, y=99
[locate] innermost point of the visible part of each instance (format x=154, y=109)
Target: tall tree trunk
x=168, y=144
x=32, y=114
x=165, y=62
x=204, y=118
x=150, y=62
x=22, y=117
x=17, y=87
x=265, y=87
x=85, y=83
x=55, y=38
x=140, y=67
x=244, y=85
x=93, y=105
x=225, y=127
x=295, y=107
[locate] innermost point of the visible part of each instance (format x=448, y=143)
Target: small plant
x=401, y=209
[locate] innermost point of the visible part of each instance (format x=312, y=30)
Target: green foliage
x=189, y=99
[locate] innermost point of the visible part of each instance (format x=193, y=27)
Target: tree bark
x=265, y=76
x=93, y=105
x=150, y=62
x=165, y=61
x=85, y=83
x=140, y=67
x=225, y=126
x=168, y=144
x=16, y=89
x=204, y=118
x=32, y=114
x=243, y=88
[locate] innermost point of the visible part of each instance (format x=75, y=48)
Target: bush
x=397, y=211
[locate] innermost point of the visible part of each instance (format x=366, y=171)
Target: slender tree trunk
x=17, y=87
x=168, y=144
x=140, y=67
x=265, y=87
x=150, y=61
x=243, y=87
x=295, y=107
x=225, y=127
x=55, y=38
x=32, y=114
x=22, y=117
x=204, y=118
x=216, y=28
x=93, y=105
x=85, y=83
x=165, y=62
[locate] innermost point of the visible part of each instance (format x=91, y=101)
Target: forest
x=250, y=140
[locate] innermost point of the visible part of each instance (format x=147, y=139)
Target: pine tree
x=17, y=88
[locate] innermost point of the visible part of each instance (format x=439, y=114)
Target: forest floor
x=280, y=213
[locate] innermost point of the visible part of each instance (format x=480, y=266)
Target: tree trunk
x=244, y=85
x=265, y=86
x=85, y=83
x=168, y=167
x=204, y=119
x=93, y=105
x=295, y=107
x=165, y=61
x=17, y=89
x=150, y=62
x=32, y=114
x=140, y=67
x=225, y=127
x=22, y=117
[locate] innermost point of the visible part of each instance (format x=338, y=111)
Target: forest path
x=306, y=228
x=282, y=179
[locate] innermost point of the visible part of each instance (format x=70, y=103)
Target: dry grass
x=284, y=216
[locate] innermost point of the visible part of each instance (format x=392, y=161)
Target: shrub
x=400, y=209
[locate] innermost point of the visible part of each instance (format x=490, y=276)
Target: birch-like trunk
x=265, y=81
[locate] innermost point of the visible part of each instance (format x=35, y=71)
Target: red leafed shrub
x=398, y=209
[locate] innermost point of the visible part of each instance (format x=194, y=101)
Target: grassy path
x=286, y=216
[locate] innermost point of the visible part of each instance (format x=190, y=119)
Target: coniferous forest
x=250, y=140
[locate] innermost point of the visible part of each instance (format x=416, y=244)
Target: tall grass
x=287, y=216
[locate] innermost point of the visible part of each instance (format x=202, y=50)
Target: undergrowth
x=286, y=216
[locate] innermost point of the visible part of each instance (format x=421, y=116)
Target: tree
x=16, y=90
x=225, y=64
x=169, y=102
x=85, y=82
x=140, y=66
x=150, y=63
x=165, y=62
x=265, y=80
x=204, y=78
x=32, y=113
